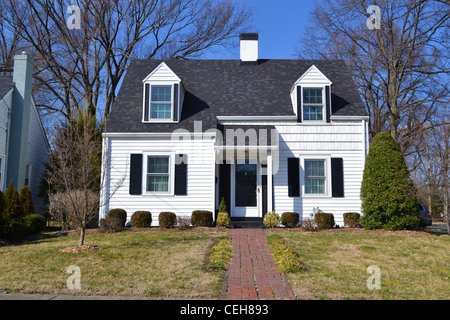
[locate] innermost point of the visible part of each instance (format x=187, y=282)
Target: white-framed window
x=313, y=104
x=158, y=173
x=316, y=176
x=161, y=104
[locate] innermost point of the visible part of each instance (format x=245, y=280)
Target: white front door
x=245, y=184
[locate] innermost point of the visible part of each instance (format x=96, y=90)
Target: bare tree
x=431, y=161
x=10, y=42
x=82, y=68
x=401, y=69
x=74, y=172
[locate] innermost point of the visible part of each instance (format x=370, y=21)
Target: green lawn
x=412, y=265
x=152, y=263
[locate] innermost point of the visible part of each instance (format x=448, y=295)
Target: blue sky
x=279, y=24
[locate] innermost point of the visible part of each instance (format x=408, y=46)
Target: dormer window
x=311, y=97
x=313, y=106
x=163, y=96
x=161, y=102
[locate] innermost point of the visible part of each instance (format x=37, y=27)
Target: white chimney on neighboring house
x=249, y=48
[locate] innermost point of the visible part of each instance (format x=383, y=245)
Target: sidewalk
x=253, y=273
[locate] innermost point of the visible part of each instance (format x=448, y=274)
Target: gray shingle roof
x=225, y=88
x=6, y=84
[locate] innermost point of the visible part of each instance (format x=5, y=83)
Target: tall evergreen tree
x=26, y=201
x=13, y=208
x=387, y=192
x=2, y=205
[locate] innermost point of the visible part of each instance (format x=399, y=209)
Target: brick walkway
x=253, y=273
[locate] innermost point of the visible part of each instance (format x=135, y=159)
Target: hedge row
x=322, y=220
x=117, y=218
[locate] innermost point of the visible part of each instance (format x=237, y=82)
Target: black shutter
x=299, y=104
x=181, y=176
x=327, y=103
x=146, y=102
x=136, y=174
x=337, y=177
x=225, y=184
x=264, y=190
x=175, y=102
x=294, y=177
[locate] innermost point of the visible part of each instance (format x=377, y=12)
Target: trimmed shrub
x=290, y=219
x=351, y=219
x=271, y=219
x=202, y=218
x=12, y=228
x=387, y=192
x=167, y=219
x=118, y=213
x=324, y=220
x=223, y=219
x=34, y=223
x=26, y=201
x=112, y=224
x=141, y=219
x=223, y=206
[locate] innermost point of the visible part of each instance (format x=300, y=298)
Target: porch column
x=269, y=182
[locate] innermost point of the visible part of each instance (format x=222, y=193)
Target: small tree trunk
x=83, y=232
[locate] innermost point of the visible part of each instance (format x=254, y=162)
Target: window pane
x=158, y=183
x=158, y=165
x=315, y=185
x=161, y=111
x=161, y=93
x=315, y=176
x=312, y=95
x=314, y=168
x=313, y=113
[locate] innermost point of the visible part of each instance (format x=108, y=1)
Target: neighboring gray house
x=264, y=134
x=24, y=146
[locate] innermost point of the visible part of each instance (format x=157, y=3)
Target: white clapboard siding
x=200, y=177
x=37, y=157
x=162, y=73
x=328, y=141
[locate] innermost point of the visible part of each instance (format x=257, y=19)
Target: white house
x=24, y=146
x=266, y=135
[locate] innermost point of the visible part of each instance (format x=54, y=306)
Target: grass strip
x=285, y=257
x=220, y=255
